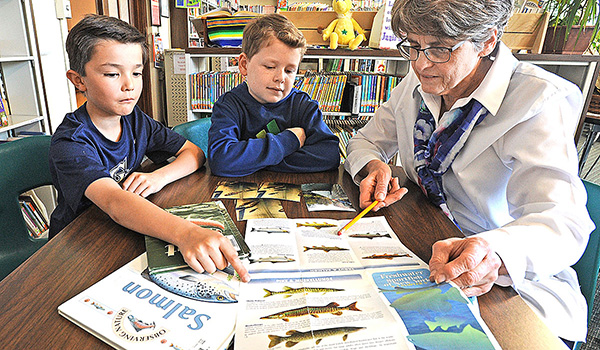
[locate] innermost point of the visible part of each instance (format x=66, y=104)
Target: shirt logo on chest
x=120, y=171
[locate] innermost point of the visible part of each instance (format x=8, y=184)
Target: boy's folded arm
x=321, y=156
x=203, y=249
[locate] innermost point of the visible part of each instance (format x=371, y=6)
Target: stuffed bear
x=341, y=30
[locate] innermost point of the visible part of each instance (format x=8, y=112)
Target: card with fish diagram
x=279, y=190
x=235, y=190
x=325, y=196
x=258, y=208
x=163, y=256
x=127, y=311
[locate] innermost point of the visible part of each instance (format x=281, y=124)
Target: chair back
x=589, y=264
x=195, y=131
x=24, y=166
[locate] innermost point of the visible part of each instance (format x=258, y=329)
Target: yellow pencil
x=353, y=221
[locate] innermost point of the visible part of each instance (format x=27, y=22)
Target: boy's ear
x=243, y=64
x=76, y=79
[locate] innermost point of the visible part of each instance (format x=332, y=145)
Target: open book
x=312, y=289
x=127, y=311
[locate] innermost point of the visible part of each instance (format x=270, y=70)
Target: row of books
x=375, y=89
x=325, y=88
x=264, y=9
x=357, y=5
x=344, y=129
x=207, y=87
x=35, y=217
x=355, y=65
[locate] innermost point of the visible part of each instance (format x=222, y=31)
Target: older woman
x=490, y=140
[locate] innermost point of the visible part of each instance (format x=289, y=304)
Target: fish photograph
x=314, y=311
x=386, y=256
x=246, y=209
x=294, y=336
x=314, y=224
x=235, y=190
x=271, y=259
x=370, y=235
x=279, y=190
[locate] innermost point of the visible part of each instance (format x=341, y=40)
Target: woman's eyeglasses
x=434, y=54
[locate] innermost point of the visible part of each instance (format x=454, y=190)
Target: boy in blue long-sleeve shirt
x=266, y=123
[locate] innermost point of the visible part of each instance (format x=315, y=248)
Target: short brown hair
x=261, y=31
x=92, y=29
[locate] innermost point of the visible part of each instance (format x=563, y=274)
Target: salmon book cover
x=129, y=311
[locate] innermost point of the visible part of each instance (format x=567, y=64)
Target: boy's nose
x=127, y=84
x=279, y=76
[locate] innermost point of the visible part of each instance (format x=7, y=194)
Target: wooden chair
x=195, y=131
x=526, y=31
x=588, y=266
x=24, y=167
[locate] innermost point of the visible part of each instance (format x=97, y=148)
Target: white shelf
x=29, y=120
x=17, y=59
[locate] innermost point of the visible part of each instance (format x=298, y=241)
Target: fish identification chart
x=312, y=289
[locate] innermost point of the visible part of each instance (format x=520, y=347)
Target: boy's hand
x=300, y=134
x=143, y=184
x=208, y=250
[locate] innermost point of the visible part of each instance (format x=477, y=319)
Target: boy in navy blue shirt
x=97, y=149
x=265, y=123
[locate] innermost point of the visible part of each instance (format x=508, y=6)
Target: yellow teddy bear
x=341, y=30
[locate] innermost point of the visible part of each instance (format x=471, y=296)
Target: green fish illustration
x=294, y=337
x=469, y=339
x=324, y=248
x=288, y=291
x=445, y=322
x=428, y=299
x=317, y=225
x=331, y=308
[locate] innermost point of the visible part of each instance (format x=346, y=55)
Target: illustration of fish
x=97, y=306
x=331, y=308
x=370, y=235
x=269, y=229
x=272, y=259
x=288, y=291
x=317, y=225
x=294, y=337
x=445, y=322
x=429, y=299
x=386, y=256
x=138, y=324
x=324, y=248
x=469, y=339
x=198, y=286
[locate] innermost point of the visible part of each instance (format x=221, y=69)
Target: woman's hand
x=468, y=262
x=380, y=185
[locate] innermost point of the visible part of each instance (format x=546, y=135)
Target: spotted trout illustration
x=331, y=308
x=294, y=337
x=289, y=291
x=324, y=248
x=198, y=286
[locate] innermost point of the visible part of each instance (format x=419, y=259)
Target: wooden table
x=93, y=246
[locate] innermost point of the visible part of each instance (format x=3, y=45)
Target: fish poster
x=437, y=316
x=246, y=209
x=325, y=196
x=127, y=311
x=313, y=289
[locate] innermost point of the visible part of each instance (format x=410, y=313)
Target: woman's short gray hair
x=453, y=19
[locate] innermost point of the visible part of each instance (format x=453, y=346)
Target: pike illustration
x=198, y=286
x=294, y=337
x=269, y=230
x=323, y=248
x=370, y=235
x=288, y=291
x=331, y=308
x=386, y=256
x=317, y=225
x=272, y=259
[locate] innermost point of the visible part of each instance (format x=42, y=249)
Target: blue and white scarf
x=436, y=148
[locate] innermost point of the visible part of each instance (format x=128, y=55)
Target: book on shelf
x=361, y=290
x=34, y=213
x=128, y=311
